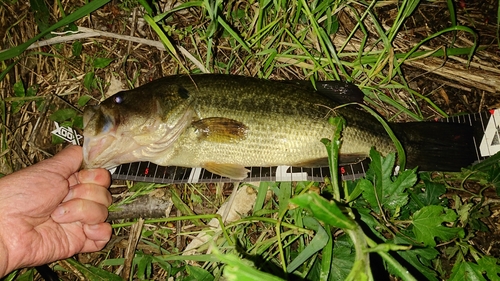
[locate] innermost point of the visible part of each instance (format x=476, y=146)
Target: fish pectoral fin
x=233, y=171
x=353, y=158
x=220, y=129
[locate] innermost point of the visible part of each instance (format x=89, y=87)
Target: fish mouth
x=99, y=138
x=94, y=150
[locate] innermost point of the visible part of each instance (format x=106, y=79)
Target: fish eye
x=118, y=99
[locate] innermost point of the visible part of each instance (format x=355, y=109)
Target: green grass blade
x=235, y=35
x=261, y=196
x=319, y=32
x=451, y=9
x=439, y=33
x=318, y=242
x=187, y=5
x=327, y=256
x=407, y=8
x=163, y=38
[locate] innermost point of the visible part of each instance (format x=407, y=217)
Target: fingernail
x=59, y=211
x=87, y=175
x=93, y=226
x=69, y=196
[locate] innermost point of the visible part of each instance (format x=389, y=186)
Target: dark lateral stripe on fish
x=486, y=140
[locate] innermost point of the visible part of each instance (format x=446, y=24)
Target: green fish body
x=224, y=123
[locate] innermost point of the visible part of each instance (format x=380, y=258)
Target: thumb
x=66, y=162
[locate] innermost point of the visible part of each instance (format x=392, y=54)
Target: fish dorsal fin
x=233, y=171
x=220, y=129
x=341, y=92
x=338, y=91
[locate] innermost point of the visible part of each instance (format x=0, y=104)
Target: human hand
x=51, y=211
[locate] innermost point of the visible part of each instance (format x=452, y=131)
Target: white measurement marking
x=490, y=144
x=282, y=175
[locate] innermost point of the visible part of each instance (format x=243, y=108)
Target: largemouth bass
x=224, y=123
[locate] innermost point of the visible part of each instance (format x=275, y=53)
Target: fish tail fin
x=437, y=146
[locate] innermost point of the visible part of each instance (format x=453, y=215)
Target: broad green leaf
x=427, y=224
x=343, y=258
x=78, y=122
x=419, y=258
x=63, y=115
x=102, y=62
x=421, y=197
x=144, y=265
x=381, y=168
x=18, y=92
x=463, y=210
x=196, y=273
x=466, y=271
x=83, y=100
x=183, y=207
x=490, y=266
x=332, y=25
x=324, y=210
x=431, y=195
x=333, y=148
x=404, y=180
x=19, y=89
x=475, y=218
x=67, y=123
x=238, y=269
x=494, y=176
x=484, y=166
x=32, y=90
x=56, y=140
x=381, y=188
x=77, y=48
x=88, y=80
x=93, y=273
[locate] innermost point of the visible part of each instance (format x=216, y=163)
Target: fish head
x=130, y=125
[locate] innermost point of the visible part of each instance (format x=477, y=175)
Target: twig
x=84, y=32
x=135, y=235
